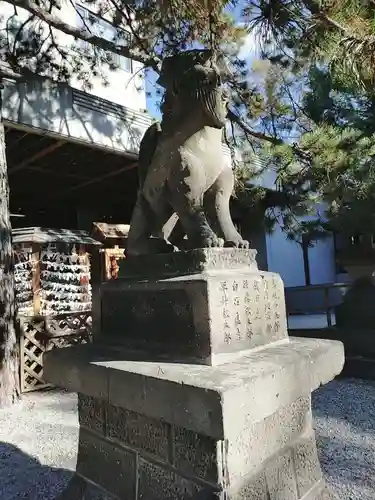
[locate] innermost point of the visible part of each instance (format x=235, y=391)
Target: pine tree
x=325, y=128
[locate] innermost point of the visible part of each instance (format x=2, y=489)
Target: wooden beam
x=57, y=173
x=14, y=143
x=37, y=156
x=95, y=180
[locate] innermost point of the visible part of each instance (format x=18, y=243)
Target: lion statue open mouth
x=185, y=183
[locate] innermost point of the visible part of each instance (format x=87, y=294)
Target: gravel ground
x=344, y=414
x=38, y=442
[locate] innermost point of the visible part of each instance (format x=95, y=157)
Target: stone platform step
x=242, y=430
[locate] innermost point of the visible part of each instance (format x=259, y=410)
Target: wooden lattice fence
x=41, y=334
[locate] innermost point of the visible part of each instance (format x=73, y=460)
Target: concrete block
x=112, y=468
x=159, y=483
x=138, y=431
x=91, y=413
x=254, y=444
x=216, y=316
x=196, y=454
x=225, y=427
x=254, y=488
x=174, y=402
x=306, y=464
x=197, y=397
x=281, y=479
x=217, y=312
x=80, y=489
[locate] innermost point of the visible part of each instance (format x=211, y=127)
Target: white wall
x=286, y=258
x=54, y=108
x=322, y=262
x=123, y=87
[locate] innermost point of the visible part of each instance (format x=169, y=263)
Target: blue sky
x=247, y=52
x=151, y=102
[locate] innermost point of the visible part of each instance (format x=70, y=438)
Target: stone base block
x=207, y=314
x=160, y=431
x=80, y=488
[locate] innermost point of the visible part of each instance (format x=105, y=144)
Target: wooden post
x=35, y=257
x=326, y=303
x=106, y=268
x=96, y=280
x=22, y=354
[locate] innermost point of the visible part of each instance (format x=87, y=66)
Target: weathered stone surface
x=183, y=405
x=189, y=262
x=243, y=426
x=196, y=454
x=216, y=314
x=282, y=446
x=79, y=489
x=306, y=464
x=112, y=468
x=281, y=480
x=156, y=483
x=254, y=488
x=198, y=397
x=91, y=413
x=147, y=315
x=326, y=494
x=138, y=431
x=158, y=422
x=253, y=444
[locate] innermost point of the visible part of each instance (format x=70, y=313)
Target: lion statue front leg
x=217, y=207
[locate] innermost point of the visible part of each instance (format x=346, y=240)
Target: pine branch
x=233, y=117
x=148, y=60
x=56, y=22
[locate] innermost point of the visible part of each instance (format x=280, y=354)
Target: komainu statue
x=185, y=181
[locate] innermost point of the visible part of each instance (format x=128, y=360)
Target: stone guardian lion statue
x=185, y=183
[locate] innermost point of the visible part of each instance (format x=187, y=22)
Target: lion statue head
x=192, y=82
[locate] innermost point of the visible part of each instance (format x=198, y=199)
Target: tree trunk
x=9, y=355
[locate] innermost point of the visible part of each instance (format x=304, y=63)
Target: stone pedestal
x=226, y=415
x=202, y=306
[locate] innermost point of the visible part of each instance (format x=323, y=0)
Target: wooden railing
x=315, y=299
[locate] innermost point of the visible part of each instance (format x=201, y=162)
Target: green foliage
x=335, y=159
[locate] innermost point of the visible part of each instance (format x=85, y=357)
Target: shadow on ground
x=23, y=476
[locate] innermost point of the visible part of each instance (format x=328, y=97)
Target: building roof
x=103, y=231
x=48, y=235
